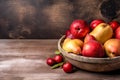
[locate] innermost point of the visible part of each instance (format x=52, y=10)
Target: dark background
x=48, y=19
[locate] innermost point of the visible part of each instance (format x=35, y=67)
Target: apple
x=69, y=35
x=102, y=32
x=72, y=45
x=95, y=22
x=114, y=24
x=79, y=28
x=112, y=47
x=89, y=37
x=93, y=48
x=117, y=33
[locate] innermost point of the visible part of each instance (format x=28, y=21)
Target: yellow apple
x=102, y=32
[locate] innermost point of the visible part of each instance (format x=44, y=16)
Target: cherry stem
x=57, y=65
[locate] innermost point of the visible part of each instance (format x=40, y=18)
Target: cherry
x=67, y=67
x=58, y=58
x=50, y=61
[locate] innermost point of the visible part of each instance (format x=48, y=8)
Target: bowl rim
x=83, y=58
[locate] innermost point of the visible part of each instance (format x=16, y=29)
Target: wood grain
x=26, y=60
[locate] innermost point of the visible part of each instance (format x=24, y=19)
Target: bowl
x=89, y=63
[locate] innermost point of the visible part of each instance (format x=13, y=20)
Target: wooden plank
x=26, y=60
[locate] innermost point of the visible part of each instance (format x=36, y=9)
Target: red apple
x=117, y=33
x=93, y=48
x=95, y=22
x=114, y=24
x=69, y=35
x=89, y=37
x=79, y=28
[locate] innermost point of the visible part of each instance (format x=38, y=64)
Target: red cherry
x=114, y=24
x=67, y=67
x=58, y=58
x=50, y=61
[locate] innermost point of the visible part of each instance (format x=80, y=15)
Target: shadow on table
x=115, y=72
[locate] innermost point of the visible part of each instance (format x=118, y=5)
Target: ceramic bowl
x=89, y=63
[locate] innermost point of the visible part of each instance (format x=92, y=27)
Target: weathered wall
x=50, y=18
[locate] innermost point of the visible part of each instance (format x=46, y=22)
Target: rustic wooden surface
x=26, y=60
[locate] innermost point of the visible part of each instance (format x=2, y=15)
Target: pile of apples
x=97, y=39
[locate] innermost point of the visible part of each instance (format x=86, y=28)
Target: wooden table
x=26, y=60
